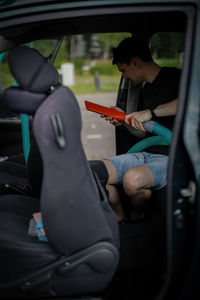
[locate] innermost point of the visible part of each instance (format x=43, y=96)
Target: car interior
x=77, y=259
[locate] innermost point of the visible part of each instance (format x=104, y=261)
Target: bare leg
x=137, y=182
x=115, y=203
x=114, y=198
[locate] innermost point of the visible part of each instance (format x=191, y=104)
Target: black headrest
x=21, y=101
x=31, y=70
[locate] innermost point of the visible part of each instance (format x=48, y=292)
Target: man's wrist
x=153, y=115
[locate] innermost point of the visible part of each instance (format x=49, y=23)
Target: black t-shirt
x=162, y=90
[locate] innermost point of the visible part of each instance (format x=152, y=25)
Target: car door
x=183, y=180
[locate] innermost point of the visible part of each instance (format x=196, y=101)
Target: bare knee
x=137, y=179
x=132, y=182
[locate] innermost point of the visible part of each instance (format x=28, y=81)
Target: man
x=142, y=172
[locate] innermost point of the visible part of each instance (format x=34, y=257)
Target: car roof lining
x=147, y=22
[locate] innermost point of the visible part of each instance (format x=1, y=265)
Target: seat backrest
x=75, y=213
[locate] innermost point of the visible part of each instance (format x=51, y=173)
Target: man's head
x=130, y=56
x=131, y=47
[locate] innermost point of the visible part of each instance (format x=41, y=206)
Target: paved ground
x=97, y=134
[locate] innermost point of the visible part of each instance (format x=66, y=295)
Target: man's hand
x=138, y=117
x=111, y=120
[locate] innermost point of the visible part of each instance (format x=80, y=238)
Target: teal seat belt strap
x=25, y=136
x=25, y=133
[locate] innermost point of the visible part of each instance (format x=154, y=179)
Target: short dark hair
x=131, y=47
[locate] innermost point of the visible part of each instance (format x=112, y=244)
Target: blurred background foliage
x=92, y=53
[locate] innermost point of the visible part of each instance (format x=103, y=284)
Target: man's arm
x=162, y=110
x=166, y=109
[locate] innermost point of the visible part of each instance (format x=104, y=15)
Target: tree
x=167, y=44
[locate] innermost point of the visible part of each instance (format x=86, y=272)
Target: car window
x=84, y=63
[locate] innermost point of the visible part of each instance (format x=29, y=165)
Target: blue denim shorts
x=157, y=163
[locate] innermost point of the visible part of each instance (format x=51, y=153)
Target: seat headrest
x=21, y=101
x=31, y=70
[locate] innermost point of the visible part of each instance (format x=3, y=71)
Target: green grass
x=85, y=84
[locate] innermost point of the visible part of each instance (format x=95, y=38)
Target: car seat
x=80, y=255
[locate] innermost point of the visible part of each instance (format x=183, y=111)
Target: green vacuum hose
x=163, y=137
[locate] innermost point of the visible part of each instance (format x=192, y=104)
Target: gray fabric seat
x=81, y=255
